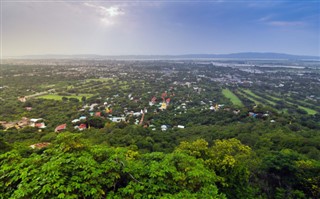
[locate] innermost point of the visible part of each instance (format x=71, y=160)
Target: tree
x=67, y=169
x=64, y=98
x=83, y=99
x=72, y=99
x=70, y=168
x=230, y=160
x=4, y=147
x=96, y=122
x=172, y=175
x=289, y=175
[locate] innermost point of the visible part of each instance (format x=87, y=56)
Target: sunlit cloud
x=106, y=14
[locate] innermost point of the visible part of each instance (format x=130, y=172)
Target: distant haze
x=159, y=27
x=247, y=56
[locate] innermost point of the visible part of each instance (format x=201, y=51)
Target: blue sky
x=159, y=27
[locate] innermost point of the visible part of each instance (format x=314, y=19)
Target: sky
x=159, y=27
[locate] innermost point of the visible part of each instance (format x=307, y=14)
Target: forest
x=159, y=129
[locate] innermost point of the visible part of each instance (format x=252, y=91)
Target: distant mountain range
x=252, y=55
x=244, y=55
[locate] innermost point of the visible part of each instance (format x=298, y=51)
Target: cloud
x=265, y=18
x=263, y=4
x=106, y=14
x=268, y=20
x=286, y=23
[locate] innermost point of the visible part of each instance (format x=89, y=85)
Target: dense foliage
x=70, y=168
x=73, y=167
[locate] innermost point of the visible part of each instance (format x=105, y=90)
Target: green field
x=250, y=93
x=59, y=97
x=101, y=79
x=250, y=98
x=273, y=97
x=233, y=98
x=46, y=86
x=309, y=110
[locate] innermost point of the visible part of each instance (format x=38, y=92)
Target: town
x=154, y=94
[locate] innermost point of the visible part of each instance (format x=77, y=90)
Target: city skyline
x=159, y=27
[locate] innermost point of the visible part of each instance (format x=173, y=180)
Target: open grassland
x=273, y=97
x=243, y=95
x=291, y=102
x=59, y=97
x=91, y=85
x=101, y=80
x=251, y=94
x=309, y=110
x=47, y=86
x=233, y=98
x=250, y=97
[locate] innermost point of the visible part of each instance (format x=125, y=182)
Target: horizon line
x=181, y=54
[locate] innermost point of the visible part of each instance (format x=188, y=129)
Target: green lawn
x=47, y=86
x=250, y=93
x=101, y=79
x=273, y=97
x=250, y=98
x=59, y=97
x=310, y=111
x=233, y=98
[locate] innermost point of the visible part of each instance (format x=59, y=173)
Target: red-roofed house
x=153, y=101
x=168, y=101
x=60, y=128
x=40, y=125
x=98, y=114
x=82, y=126
x=164, y=94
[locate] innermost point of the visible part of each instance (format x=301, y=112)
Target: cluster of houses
x=165, y=127
x=81, y=122
x=260, y=115
x=24, y=122
x=165, y=101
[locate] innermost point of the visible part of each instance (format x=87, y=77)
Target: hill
x=242, y=55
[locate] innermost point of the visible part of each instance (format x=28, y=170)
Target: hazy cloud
x=106, y=14
x=286, y=23
x=265, y=18
x=263, y=4
x=269, y=20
